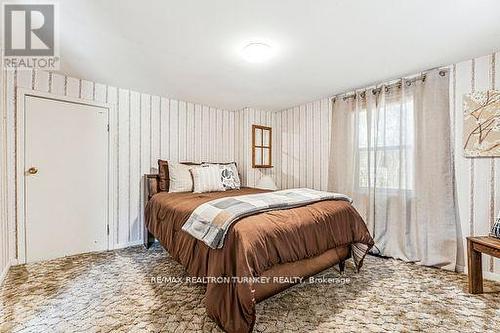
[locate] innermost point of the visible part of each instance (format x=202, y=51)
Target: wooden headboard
x=151, y=186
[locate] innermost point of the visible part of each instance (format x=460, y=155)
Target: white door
x=66, y=178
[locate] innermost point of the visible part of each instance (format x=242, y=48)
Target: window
x=385, y=147
x=261, y=146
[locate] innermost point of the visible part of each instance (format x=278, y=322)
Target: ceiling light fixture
x=257, y=52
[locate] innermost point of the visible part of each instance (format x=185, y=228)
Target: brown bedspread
x=253, y=245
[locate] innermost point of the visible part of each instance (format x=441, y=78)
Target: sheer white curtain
x=391, y=151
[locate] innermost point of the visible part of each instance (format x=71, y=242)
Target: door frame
x=22, y=93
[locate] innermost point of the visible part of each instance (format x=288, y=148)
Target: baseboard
x=15, y=262
x=486, y=275
x=128, y=244
x=4, y=272
x=491, y=276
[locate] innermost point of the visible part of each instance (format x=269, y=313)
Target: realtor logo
x=29, y=32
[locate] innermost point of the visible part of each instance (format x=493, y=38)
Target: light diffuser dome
x=257, y=52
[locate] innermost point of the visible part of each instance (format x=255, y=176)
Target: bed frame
x=151, y=187
x=327, y=259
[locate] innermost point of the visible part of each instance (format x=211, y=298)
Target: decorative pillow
x=180, y=179
x=206, y=178
x=163, y=175
x=229, y=175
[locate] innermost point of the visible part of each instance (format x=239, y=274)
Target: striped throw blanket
x=210, y=221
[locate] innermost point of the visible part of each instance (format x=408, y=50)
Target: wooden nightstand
x=475, y=247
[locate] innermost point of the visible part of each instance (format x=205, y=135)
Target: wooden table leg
x=475, y=269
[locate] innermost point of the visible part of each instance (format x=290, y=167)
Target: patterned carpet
x=113, y=292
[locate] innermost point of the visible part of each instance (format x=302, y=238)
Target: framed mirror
x=261, y=146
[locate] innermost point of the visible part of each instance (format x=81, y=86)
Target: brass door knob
x=32, y=170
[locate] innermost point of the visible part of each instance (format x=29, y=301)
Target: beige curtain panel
x=398, y=143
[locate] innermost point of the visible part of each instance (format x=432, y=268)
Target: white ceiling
x=189, y=50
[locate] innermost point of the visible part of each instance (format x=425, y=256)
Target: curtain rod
x=387, y=85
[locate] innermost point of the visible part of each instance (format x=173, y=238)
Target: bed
x=297, y=242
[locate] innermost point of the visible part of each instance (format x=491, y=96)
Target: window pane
x=265, y=138
x=258, y=137
x=390, y=168
x=265, y=158
x=394, y=125
x=387, y=161
x=362, y=130
x=258, y=156
x=363, y=168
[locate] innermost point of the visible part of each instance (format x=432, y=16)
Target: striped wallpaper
x=302, y=144
x=5, y=258
x=244, y=119
x=148, y=127
x=477, y=179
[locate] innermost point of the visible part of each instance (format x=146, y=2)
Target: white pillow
x=206, y=178
x=180, y=177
